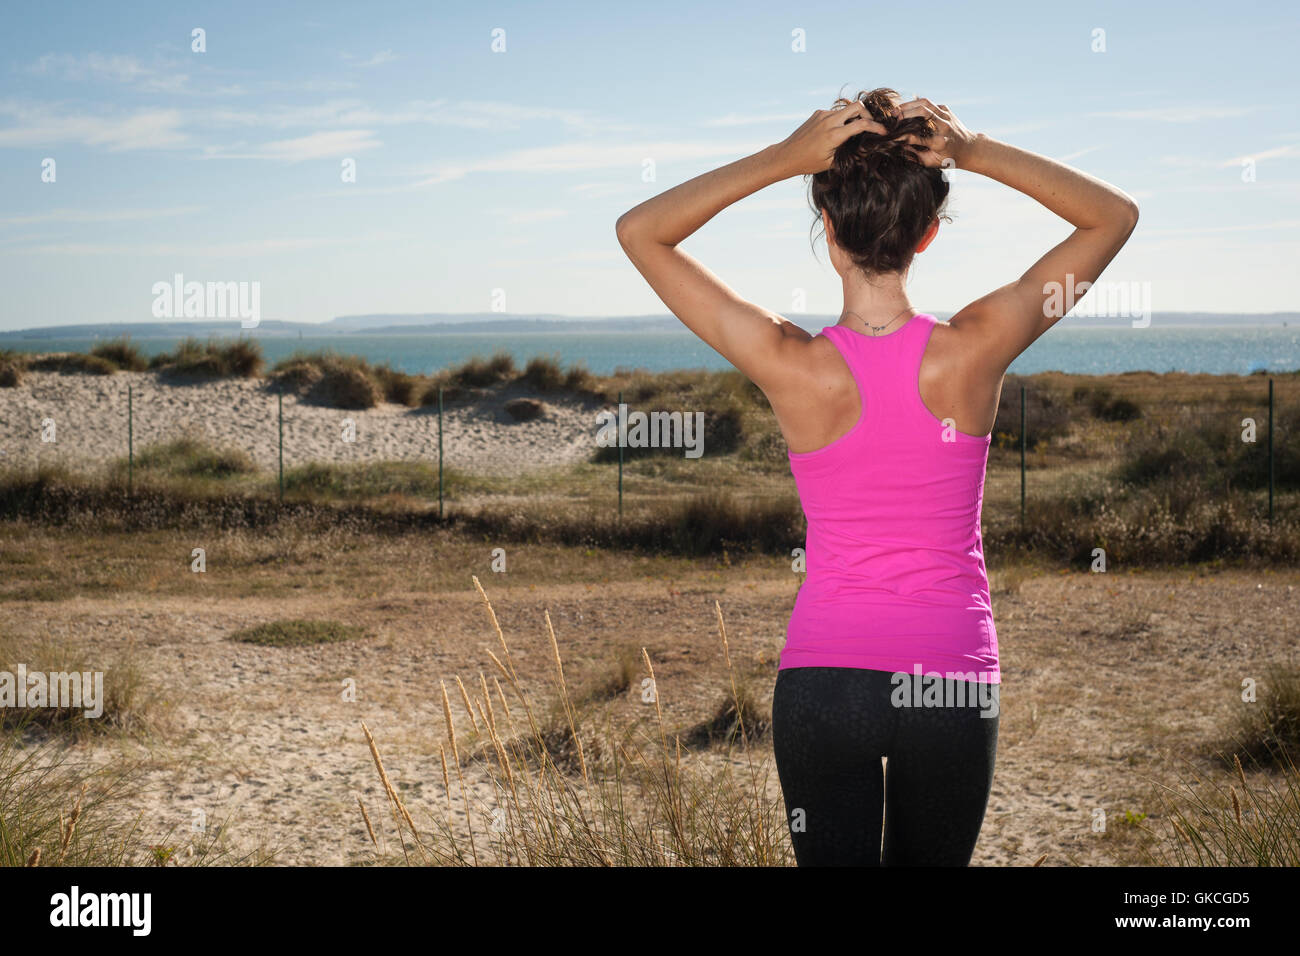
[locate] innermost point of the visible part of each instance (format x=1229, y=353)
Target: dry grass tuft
x=642, y=798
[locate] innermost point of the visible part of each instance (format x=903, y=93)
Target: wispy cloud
x=605, y=190
x=100, y=215
x=107, y=68
x=338, y=126
x=523, y=217
x=146, y=129
x=1204, y=162
x=1277, y=152
x=1211, y=230
x=378, y=59
x=754, y=119
x=172, y=250
x=578, y=157
x=1070, y=157
x=322, y=145
x=468, y=114
x=1196, y=113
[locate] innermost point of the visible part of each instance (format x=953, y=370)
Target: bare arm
x=1008, y=320
x=751, y=338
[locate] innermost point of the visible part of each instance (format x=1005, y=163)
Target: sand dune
x=90, y=424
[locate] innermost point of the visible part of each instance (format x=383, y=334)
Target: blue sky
x=479, y=171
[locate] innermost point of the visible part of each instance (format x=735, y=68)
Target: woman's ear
x=929, y=236
x=826, y=227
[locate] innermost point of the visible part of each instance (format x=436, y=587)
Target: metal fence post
x=440, y=513
x=1270, y=451
x=130, y=442
x=280, y=401
x=1022, y=454
x=620, y=458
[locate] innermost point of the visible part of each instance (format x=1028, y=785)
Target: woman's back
x=896, y=577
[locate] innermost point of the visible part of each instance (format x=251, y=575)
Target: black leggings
x=830, y=728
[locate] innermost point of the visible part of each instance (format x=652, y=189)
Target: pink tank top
x=896, y=578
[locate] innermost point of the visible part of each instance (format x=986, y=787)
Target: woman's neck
x=874, y=302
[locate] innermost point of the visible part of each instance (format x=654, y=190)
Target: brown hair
x=878, y=195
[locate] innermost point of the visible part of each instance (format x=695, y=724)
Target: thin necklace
x=877, y=329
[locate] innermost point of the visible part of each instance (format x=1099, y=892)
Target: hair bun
x=860, y=150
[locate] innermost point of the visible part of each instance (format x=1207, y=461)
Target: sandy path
x=90, y=418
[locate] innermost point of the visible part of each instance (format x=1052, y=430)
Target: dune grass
x=71, y=363
x=547, y=373
x=344, y=381
x=189, y=456
x=1267, y=729
x=216, y=358
x=568, y=791
x=11, y=371
x=127, y=705
x=123, y=353
x=58, y=811
x=568, y=788
x=1244, y=820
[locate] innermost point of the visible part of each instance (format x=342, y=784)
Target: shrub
x=346, y=386
x=1208, y=448
x=11, y=375
x=190, y=456
x=723, y=431
x=241, y=358
x=368, y=479
x=345, y=381
x=544, y=374
x=125, y=706
x=1269, y=728
x=297, y=633
x=123, y=354
x=480, y=373
x=578, y=379
x=297, y=374
x=69, y=362
x=1046, y=416
x=1104, y=405
x=397, y=387
x=712, y=523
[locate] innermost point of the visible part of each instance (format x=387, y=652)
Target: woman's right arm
x=1007, y=321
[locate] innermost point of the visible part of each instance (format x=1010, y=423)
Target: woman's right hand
x=811, y=148
x=951, y=143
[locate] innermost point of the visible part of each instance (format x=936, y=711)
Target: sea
x=1233, y=349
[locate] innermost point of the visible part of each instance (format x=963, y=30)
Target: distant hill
x=157, y=330
x=441, y=323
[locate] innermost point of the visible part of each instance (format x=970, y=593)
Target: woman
x=891, y=650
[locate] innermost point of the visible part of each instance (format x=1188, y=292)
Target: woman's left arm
x=751, y=338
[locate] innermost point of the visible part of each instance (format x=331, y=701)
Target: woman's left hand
x=951, y=142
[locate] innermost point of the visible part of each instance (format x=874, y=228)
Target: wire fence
x=1031, y=417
